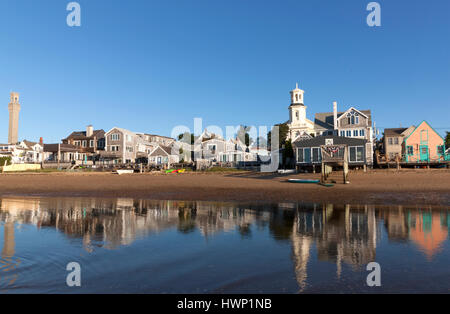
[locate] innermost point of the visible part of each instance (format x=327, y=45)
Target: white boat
x=286, y=171
x=125, y=171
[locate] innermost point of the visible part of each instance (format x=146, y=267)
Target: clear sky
x=151, y=65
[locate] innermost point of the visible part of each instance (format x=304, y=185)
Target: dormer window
x=353, y=117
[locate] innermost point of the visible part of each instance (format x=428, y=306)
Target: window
x=343, y=133
x=424, y=137
x=304, y=155
x=296, y=115
x=349, y=133
x=316, y=154
x=355, y=133
x=390, y=140
x=128, y=138
x=91, y=143
x=101, y=143
x=115, y=137
x=84, y=143
x=356, y=154
x=129, y=149
x=299, y=154
x=440, y=150
x=396, y=141
x=115, y=148
x=361, y=132
x=409, y=150
x=353, y=117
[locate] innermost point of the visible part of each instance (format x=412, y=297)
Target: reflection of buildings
x=110, y=223
x=8, y=261
x=339, y=235
x=348, y=234
x=427, y=228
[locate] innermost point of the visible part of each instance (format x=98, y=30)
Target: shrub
x=3, y=159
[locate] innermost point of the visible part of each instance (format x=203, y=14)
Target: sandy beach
x=407, y=187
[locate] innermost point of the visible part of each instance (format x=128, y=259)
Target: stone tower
x=14, y=108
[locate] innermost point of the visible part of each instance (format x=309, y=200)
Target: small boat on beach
x=125, y=171
x=286, y=171
x=307, y=181
x=175, y=171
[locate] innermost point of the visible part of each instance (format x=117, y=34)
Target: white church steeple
x=298, y=123
x=297, y=96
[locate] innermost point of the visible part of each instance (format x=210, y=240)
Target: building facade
x=424, y=145
x=393, y=141
x=308, y=152
x=89, y=142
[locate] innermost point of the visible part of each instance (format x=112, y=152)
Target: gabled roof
x=125, y=131
x=207, y=136
x=30, y=144
x=302, y=137
x=325, y=120
x=430, y=128
x=161, y=150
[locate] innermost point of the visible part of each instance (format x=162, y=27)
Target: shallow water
x=139, y=246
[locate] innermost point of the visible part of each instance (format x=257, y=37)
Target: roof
x=417, y=127
x=29, y=143
x=52, y=148
x=394, y=131
x=162, y=136
x=124, y=131
x=161, y=150
x=325, y=120
x=337, y=140
x=81, y=134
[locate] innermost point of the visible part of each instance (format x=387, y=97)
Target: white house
x=23, y=152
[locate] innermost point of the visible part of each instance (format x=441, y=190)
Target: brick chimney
x=41, y=141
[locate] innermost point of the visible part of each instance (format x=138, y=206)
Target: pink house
x=424, y=144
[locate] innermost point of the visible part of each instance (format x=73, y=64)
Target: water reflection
x=338, y=235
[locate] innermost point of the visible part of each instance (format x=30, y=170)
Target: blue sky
x=151, y=65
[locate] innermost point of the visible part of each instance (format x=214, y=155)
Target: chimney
x=41, y=141
x=89, y=130
x=335, y=115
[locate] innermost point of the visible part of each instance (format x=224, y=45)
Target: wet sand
x=407, y=187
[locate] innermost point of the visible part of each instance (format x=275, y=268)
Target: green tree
x=447, y=140
x=186, y=137
x=244, y=136
x=283, y=130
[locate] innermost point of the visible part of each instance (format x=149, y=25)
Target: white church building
x=351, y=123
